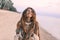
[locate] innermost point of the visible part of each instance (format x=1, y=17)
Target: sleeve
x=37, y=27
x=39, y=33
x=18, y=27
x=17, y=31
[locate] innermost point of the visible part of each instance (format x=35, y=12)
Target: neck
x=28, y=19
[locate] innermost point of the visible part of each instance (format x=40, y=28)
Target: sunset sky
x=44, y=6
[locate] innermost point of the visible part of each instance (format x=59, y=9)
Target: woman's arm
x=39, y=33
x=18, y=27
x=37, y=29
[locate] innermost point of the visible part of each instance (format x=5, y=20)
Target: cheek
x=29, y=15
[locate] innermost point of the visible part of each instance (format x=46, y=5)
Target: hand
x=17, y=32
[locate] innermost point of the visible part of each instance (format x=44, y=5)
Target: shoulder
x=19, y=22
x=36, y=23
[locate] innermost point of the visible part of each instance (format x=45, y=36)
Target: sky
x=43, y=6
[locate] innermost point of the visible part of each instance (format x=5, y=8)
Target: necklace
x=28, y=23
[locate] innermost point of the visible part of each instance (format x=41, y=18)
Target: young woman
x=27, y=26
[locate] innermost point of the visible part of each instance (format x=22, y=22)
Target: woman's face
x=29, y=13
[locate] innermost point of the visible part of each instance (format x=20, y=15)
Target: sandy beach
x=8, y=21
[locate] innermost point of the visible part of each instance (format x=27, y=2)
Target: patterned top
x=27, y=25
x=22, y=34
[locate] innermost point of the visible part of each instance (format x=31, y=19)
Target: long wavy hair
x=23, y=19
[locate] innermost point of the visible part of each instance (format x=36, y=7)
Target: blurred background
x=47, y=11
